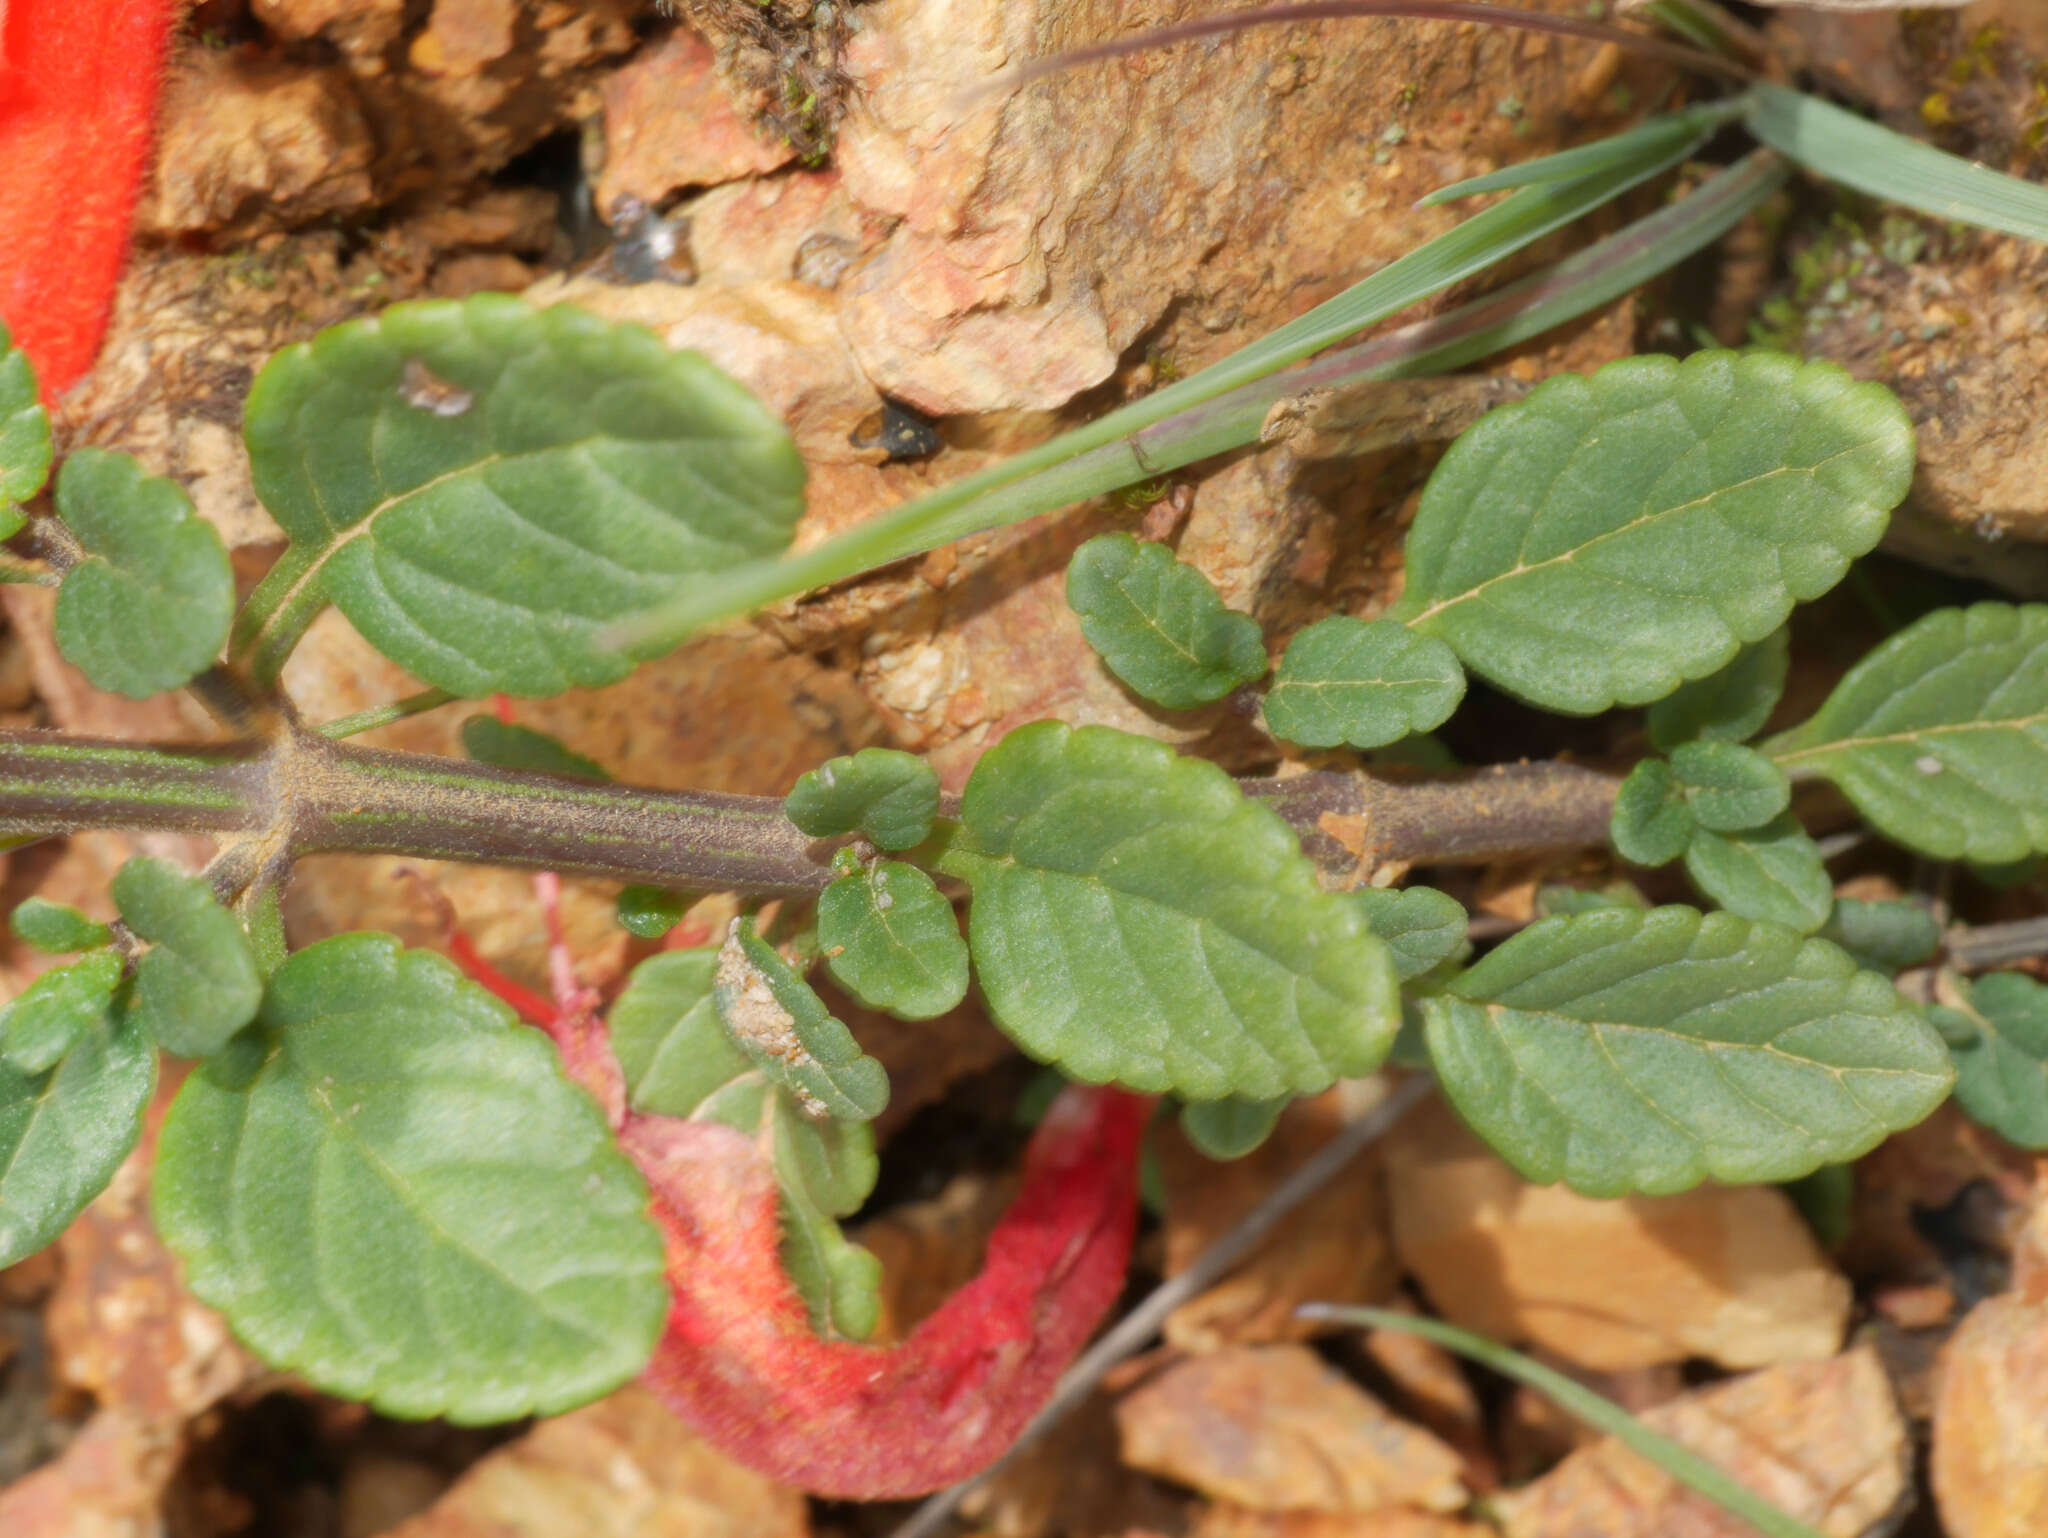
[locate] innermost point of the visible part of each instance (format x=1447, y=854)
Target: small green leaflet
x=1883, y=937
x=1652, y=821
x=678, y=1061
x=198, y=982
x=649, y=911
x=1731, y=788
x=1940, y=735
x=2002, y=1073
x=890, y=940
x=149, y=606
x=1608, y=538
x=1621, y=1051
x=64, y=1132
x=25, y=449
x=442, y=1223
x=1729, y=706
x=888, y=795
x=1136, y=920
x=57, y=927
x=1772, y=873
x=49, y=1017
x=510, y=746
x=1421, y=926
x=486, y=490
x=784, y=1028
x=1232, y=1128
x=1345, y=681
x=1158, y=624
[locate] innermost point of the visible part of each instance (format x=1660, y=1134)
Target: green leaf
x=25, y=449
x=679, y=1061
x=1872, y=158
x=1624, y=1051
x=1136, y=919
x=2002, y=1074
x=1608, y=538
x=1773, y=873
x=649, y=911
x=1652, y=821
x=392, y=1189
x=65, y=1131
x=486, y=489
x=1729, y=706
x=491, y=741
x=784, y=1027
x=1345, y=681
x=1560, y=901
x=57, y=927
x=1232, y=1128
x=1826, y=1200
x=1158, y=624
x=1731, y=788
x=892, y=942
x=1647, y=141
x=891, y=797
x=1940, y=735
x=48, y=1017
x=1883, y=937
x=198, y=983
x=1421, y=926
x=149, y=607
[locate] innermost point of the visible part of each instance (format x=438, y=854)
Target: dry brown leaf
x=1730, y=1273
x=1333, y=1248
x=623, y=1467
x=1276, y=1429
x=1823, y=1441
x=1220, y=1521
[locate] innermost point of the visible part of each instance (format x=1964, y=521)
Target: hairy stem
x=297, y=793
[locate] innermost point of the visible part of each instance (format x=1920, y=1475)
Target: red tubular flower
x=78, y=91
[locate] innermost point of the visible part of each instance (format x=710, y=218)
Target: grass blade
x=1647, y=141
x=1872, y=158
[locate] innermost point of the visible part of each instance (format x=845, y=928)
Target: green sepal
x=1731, y=788
x=891, y=940
x=57, y=928
x=49, y=1017
x=1231, y=1128
x=25, y=447
x=1774, y=873
x=1344, y=681
x=198, y=983
x=889, y=796
x=1159, y=625
x=511, y=746
x=149, y=607
x=784, y=1028
x=1652, y=821
x=1421, y=926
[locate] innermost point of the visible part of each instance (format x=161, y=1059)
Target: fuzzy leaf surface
x=778, y=1020
x=1231, y=1128
x=64, y=1132
x=1731, y=788
x=486, y=489
x=512, y=746
x=679, y=1061
x=149, y=607
x=2002, y=1073
x=1773, y=873
x=56, y=927
x=890, y=940
x=1731, y=705
x=1940, y=735
x=889, y=795
x=1136, y=919
x=392, y=1189
x=198, y=983
x=1652, y=821
x=1611, y=537
x=25, y=447
x=1623, y=1051
x=1420, y=925
x=52, y=1014
x=1343, y=680
x=1159, y=625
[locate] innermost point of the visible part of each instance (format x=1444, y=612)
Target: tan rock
x=248, y=145
x=108, y=1483
x=1728, y=1273
x=799, y=225
x=1276, y=1429
x=1222, y=1521
x=1822, y=1441
x=621, y=1468
x=1333, y=1248
x=670, y=123
x=465, y=37
x=357, y=26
